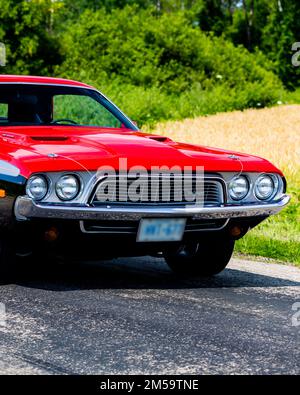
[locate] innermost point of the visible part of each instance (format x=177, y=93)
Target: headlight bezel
x=275, y=190
x=79, y=186
x=30, y=180
x=235, y=198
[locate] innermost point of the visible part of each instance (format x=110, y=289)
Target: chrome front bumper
x=26, y=208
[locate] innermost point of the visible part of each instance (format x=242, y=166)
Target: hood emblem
x=234, y=157
x=52, y=155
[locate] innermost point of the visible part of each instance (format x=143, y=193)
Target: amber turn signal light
x=51, y=234
x=236, y=231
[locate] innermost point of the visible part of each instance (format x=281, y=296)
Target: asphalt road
x=134, y=316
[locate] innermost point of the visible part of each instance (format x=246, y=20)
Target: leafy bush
x=162, y=67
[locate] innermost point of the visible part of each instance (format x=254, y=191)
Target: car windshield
x=26, y=104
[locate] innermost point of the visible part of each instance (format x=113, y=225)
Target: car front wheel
x=201, y=258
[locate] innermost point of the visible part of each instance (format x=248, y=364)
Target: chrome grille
x=131, y=227
x=157, y=192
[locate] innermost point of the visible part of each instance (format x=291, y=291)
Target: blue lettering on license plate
x=161, y=229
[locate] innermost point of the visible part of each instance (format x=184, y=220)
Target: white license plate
x=161, y=229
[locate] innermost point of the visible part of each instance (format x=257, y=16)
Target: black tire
x=14, y=262
x=201, y=258
x=7, y=260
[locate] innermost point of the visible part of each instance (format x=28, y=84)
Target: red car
x=78, y=178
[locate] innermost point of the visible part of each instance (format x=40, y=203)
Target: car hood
x=69, y=148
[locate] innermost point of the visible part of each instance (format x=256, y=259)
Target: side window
x=83, y=110
x=3, y=110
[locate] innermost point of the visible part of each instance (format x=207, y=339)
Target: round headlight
x=67, y=187
x=37, y=187
x=238, y=188
x=264, y=187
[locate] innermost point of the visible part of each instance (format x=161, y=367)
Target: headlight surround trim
x=30, y=182
x=231, y=191
x=275, y=189
x=60, y=195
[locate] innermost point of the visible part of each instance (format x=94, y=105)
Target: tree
x=278, y=35
x=25, y=29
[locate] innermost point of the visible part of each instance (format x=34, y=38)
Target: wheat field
x=272, y=133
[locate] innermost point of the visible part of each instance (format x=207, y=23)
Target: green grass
x=279, y=236
x=293, y=97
